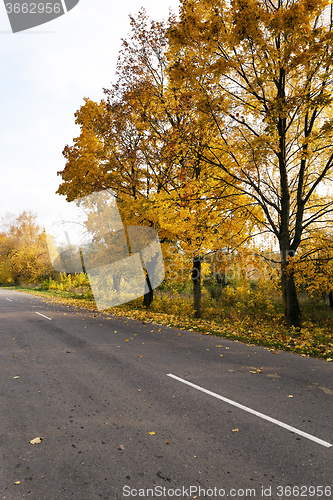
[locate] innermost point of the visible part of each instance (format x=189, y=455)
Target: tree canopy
x=260, y=74
x=139, y=141
x=219, y=127
x=23, y=252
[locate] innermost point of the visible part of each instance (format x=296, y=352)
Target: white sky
x=45, y=74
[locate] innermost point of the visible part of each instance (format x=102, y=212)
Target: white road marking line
x=10, y=300
x=43, y=315
x=254, y=412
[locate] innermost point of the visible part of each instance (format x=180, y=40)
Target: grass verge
x=314, y=339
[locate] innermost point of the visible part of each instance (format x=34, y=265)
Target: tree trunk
x=292, y=311
x=196, y=279
x=330, y=298
x=148, y=297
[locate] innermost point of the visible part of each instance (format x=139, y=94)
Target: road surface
x=111, y=399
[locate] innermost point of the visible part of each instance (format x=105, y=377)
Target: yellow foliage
x=23, y=253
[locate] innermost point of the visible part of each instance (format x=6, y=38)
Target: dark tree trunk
x=330, y=299
x=292, y=311
x=82, y=261
x=196, y=280
x=148, y=297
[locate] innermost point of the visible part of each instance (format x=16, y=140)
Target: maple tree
x=260, y=74
x=139, y=140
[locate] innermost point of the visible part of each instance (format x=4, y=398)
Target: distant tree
x=23, y=251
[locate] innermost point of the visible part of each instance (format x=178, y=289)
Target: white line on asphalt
x=43, y=315
x=10, y=300
x=254, y=412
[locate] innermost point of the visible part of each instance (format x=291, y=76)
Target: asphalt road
x=116, y=424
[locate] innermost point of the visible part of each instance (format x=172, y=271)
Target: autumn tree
x=139, y=141
x=23, y=250
x=260, y=72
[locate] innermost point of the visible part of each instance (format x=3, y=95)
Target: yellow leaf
x=290, y=396
x=152, y=433
x=235, y=430
x=37, y=440
x=17, y=482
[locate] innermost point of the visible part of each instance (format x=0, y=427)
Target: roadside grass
x=256, y=319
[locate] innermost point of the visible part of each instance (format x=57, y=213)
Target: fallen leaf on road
x=167, y=442
x=121, y=447
x=219, y=346
x=37, y=440
x=235, y=430
x=16, y=376
x=152, y=433
x=68, y=352
x=126, y=340
x=290, y=396
x=326, y=390
x=17, y=482
x=140, y=356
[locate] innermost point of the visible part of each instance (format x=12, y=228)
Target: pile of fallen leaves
x=310, y=340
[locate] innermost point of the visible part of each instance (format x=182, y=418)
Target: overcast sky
x=45, y=74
